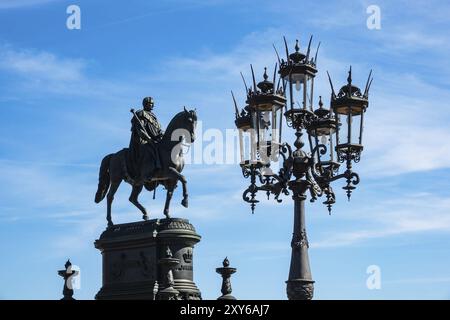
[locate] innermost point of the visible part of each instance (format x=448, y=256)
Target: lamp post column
x=300, y=285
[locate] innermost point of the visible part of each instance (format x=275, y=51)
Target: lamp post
x=334, y=137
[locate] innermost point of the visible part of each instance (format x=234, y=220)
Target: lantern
x=299, y=71
x=261, y=121
x=320, y=134
x=349, y=106
x=243, y=123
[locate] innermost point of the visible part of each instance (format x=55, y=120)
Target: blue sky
x=65, y=97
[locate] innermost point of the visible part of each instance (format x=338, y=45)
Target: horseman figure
x=154, y=158
x=145, y=129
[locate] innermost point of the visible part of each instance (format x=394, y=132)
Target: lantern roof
x=242, y=118
x=265, y=85
x=324, y=123
x=350, y=97
x=298, y=62
x=321, y=112
x=263, y=96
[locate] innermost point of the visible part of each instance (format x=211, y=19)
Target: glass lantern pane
x=244, y=145
x=253, y=145
x=349, y=129
x=264, y=151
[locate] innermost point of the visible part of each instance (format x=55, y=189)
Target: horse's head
x=190, y=118
x=183, y=126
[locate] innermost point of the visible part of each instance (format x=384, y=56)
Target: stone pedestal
x=131, y=252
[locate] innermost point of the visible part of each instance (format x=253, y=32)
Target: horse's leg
x=183, y=181
x=169, y=195
x=110, y=197
x=134, y=200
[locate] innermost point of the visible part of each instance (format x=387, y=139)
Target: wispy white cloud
x=41, y=66
x=255, y=48
x=417, y=214
x=43, y=72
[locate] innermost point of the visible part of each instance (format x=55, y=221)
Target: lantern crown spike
x=333, y=93
x=276, y=52
x=243, y=120
x=278, y=86
x=236, y=109
x=317, y=51
x=245, y=83
x=368, y=83
x=368, y=88
x=286, y=48
x=275, y=75
x=309, y=48
x=253, y=77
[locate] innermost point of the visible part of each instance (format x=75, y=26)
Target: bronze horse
x=112, y=171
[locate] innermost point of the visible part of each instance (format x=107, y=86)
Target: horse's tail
x=103, y=179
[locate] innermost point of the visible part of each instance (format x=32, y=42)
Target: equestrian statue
x=153, y=158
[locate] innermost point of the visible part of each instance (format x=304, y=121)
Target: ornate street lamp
x=332, y=136
x=351, y=105
x=259, y=125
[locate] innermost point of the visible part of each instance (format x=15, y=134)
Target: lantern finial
x=349, y=78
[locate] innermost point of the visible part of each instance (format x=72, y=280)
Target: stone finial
x=226, y=271
x=66, y=274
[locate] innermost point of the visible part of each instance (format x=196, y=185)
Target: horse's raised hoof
x=145, y=217
x=184, y=202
